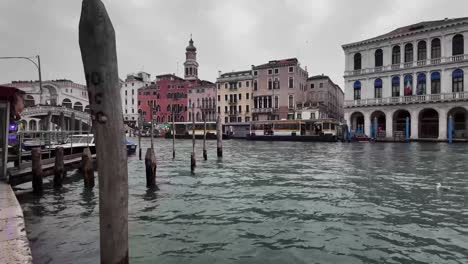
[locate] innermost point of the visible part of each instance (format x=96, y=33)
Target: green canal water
x=282, y=202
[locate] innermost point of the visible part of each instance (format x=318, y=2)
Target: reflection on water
x=282, y=202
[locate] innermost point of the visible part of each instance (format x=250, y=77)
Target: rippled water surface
x=282, y=202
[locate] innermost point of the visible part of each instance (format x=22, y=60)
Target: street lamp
x=38, y=66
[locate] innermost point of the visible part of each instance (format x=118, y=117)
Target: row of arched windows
x=77, y=106
x=162, y=119
x=457, y=49
x=457, y=84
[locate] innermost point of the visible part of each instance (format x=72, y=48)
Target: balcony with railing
x=232, y=102
x=409, y=65
x=262, y=110
x=413, y=99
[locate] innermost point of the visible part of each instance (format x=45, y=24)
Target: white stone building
x=129, y=95
x=416, y=71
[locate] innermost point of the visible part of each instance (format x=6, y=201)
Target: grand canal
x=282, y=202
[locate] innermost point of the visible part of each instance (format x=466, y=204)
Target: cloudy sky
x=229, y=34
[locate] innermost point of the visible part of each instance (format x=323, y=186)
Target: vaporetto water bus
x=324, y=130
x=184, y=130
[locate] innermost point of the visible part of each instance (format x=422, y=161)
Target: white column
x=367, y=124
x=415, y=124
x=402, y=85
x=443, y=124
x=389, y=124
x=428, y=83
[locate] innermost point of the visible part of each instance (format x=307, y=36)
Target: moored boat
x=321, y=130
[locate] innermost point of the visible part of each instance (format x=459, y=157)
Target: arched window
x=396, y=86
x=357, y=61
x=78, y=106
x=29, y=101
x=168, y=108
x=421, y=86
x=379, y=58
x=357, y=90
x=457, y=45
x=457, y=81
x=378, y=88
x=409, y=52
x=181, y=119
x=396, y=55
x=186, y=71
x=87, y=109
x=422, y=50
x=435, y=83
x=158, y=120
x=435, y=49
x=67, y=103
x=408, y=85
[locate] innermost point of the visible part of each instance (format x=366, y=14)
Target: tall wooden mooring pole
x=98, y=52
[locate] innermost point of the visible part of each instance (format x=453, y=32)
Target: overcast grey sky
x=229, y=35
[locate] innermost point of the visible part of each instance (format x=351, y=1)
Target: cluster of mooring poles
x=86, y=167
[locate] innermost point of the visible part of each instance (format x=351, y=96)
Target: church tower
x=191, y=64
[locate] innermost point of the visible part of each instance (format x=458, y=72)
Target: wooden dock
x=23, y=173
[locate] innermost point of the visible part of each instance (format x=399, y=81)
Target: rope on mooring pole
x=98, y=52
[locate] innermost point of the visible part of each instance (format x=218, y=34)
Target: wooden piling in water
x=205, y=155
x=173, y=135
x=219, y=137
x=150, y=166
x=59, y=169
x=37, y=173
x=87, y=168
x=140, y=126
x=193, y=162
x=98, y=52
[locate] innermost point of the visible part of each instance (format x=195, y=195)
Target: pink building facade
x=279, y=86
x=202, y=95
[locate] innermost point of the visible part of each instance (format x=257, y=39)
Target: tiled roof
x=318, y=77
x=235, y=73
x=277, y=63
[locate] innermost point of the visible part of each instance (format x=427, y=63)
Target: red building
x=167, y=97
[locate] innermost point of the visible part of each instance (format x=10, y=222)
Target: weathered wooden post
x=36, y=170
x=98, y=52
x=152, y=145
x=59, y=170
x=219, y=135
x=140, y=126
x=193, y=162
x=173, y=135
x=150, y=166
x=205, y=156
x=87, y=168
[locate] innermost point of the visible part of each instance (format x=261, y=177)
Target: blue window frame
x=357, y=90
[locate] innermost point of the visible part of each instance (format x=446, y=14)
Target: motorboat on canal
x=75, y=144
x=319, y=130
